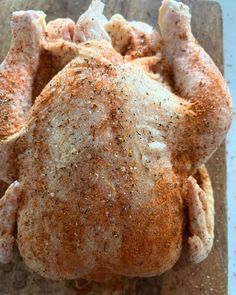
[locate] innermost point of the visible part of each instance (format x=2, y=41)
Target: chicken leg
x=90, y=25
x=207, y=113
x=18, y=70
x=200, y=83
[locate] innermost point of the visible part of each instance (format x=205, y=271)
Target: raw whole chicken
x=103, y=165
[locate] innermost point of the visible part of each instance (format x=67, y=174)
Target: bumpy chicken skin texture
x=104, y=160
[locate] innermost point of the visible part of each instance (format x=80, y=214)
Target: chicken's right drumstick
x=18, y=70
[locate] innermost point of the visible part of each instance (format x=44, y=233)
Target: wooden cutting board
x=209, y=277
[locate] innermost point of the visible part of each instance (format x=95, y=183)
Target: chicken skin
x=105, y=160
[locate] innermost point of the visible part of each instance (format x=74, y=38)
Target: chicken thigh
x=106, y=158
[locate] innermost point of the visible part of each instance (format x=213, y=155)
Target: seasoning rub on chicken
x=102, y=165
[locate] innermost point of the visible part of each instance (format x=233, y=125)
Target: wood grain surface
x=209, y=277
